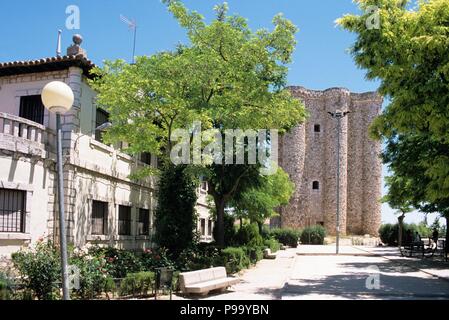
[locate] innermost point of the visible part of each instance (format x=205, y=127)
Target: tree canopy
x=409, y=54
x=259, y=203
x=226, y=77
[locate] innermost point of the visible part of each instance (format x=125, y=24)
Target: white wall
x=34, y=179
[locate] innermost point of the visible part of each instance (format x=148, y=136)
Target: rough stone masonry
x=309, y=155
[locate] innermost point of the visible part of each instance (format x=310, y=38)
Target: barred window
x=99, y=218
x=124, y=221
x=209, y=228
x=316, y=185
x=143, y=225
x=317, y=128
x=12, y=211
x=203, y=227
x=32, y=108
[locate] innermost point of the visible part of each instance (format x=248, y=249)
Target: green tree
x=227, y=77
x=409, y=54
x=175, y=214
x=148, y=101
x=240, y=76
x=259, y=203
x=399, y=197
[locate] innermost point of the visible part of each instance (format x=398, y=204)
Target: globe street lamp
x=338, y=115
x=58, y=98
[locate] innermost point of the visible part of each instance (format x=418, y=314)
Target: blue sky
x=28, y=30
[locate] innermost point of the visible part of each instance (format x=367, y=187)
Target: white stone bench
x=204, y=281
x=267, y=254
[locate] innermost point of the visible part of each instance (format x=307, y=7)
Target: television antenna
x=132, y=25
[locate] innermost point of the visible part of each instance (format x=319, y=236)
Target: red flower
x=111, y=260
x=158, y=257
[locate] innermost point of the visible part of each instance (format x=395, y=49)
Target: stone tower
x=309, y=155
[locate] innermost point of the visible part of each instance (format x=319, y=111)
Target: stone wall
x=309, y=154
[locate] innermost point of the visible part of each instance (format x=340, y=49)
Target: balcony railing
x=25, y=136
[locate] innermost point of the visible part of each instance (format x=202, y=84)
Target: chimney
x=75, y=49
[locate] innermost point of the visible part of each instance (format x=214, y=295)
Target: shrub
x=248, y=235
x=119, y=263
x=152, y=259
x=288, y=237
x=94, y=276
x=201, y=256
x=137, y=284
x=254, y=254
x=313, y=235
x=235, y=259
x=386, y=234
x=273, y=245
x=389, y=233
x=266, y=233
x=39, y=269
x=175, y=213
x=5, y=287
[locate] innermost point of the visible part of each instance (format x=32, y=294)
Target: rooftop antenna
x=132, y=25
x=58, y=46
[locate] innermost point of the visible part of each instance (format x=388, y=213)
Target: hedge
x=137, y=284
x=288, y=237
x=313, y=235
x=273, y=245
x=235, y=259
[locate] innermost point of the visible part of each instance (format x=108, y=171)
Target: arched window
x=316, y=185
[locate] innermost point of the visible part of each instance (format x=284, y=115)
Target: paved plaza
x=315, y=272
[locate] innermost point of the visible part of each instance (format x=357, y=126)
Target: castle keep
x=309, y=155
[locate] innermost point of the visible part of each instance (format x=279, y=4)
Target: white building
x=102, y=204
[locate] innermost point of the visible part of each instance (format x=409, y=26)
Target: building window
x=316, y=185
x=124, y=221
x=317, y=128
x=101, y=118
x=320, y=223
x=203, y=185
x=146, y=158
x=32, y=108
x=203, y=227
x=143, y=225
x=209, y=228
x=12, y=211
x=99, y=218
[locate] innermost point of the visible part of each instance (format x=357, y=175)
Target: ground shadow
x=397, y=281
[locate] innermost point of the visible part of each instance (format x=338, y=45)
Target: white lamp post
x=58, y=98
x=339, y=115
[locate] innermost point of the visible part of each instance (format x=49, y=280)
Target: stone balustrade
x=24, y=136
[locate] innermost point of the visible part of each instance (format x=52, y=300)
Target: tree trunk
x=220, y=207
x=401, y=228
x=447, y=235
x=260, y=224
